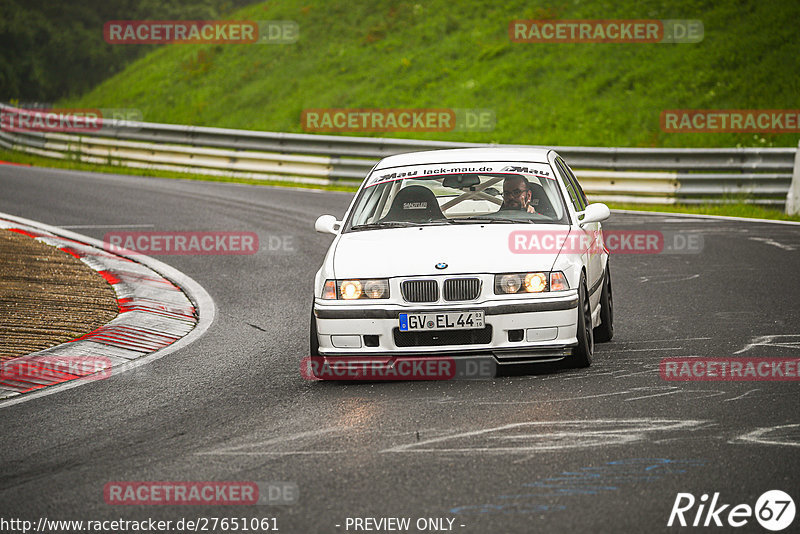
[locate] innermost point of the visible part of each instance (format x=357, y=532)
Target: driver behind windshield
x=517, y=194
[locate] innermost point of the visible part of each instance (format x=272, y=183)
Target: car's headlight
x=536, y=282
x=507, y=283
x=370, y=288
x=376, y=289
x=350, y=289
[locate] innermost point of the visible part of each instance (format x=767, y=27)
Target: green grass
x=440, y=54
x=730, y=209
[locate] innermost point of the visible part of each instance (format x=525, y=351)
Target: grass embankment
x=437, y=54
x=440, y=54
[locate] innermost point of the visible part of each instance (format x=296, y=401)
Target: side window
x=568, y=184
x=578, y=188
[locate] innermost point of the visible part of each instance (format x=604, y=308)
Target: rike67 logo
x=774, y=510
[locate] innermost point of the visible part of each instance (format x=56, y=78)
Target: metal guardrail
x=652, y=175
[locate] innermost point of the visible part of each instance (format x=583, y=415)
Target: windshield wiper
x=393, y=224
x=489, y=220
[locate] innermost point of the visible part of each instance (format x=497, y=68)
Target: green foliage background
x=437, y=53
x=50, y=49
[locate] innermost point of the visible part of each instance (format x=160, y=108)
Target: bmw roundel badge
x=441, y=265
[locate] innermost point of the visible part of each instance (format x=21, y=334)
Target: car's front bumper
x=548, y=326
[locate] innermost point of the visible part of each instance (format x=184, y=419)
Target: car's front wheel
x=605, y=331
x=582, y=354
x=313, y=340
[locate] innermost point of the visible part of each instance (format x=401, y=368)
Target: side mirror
x=327, y=224
x=597, y=212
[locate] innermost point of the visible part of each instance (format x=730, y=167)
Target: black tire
x=582, y=354
x=313, y=346
x=605, y=331
x=313, y=339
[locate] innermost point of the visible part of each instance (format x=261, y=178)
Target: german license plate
x=463, y=320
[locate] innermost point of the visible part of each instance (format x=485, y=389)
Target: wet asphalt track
x=599, y=450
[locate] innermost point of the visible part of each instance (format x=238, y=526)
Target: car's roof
x=466, y=155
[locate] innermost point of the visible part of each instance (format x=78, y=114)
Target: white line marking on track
x=74, y=226
x=714, y=393
x=571, y=434
x=769, y=341
x=653, y=395
x=741, y=396
x=769, y=241
x=758, y=436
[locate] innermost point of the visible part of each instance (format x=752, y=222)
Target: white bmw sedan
x=482, y=251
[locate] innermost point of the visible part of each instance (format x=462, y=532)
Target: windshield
x=447, y=194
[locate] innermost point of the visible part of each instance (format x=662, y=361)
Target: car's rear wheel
x=605, y=331
x=582, y=354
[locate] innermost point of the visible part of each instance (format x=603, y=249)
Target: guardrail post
x=793, y=197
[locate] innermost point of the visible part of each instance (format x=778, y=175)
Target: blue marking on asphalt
x=611, y=476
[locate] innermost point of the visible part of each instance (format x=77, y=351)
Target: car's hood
x=465, y=248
